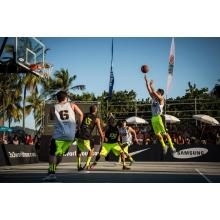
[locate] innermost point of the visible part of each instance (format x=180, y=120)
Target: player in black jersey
x=111, y=143
x=85, y=140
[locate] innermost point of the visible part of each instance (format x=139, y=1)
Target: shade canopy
x=136, y=120
x=171, y=119
x=5, y=129
x=206, y=119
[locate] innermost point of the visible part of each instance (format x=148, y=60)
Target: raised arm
x=154, y=93
x=148, y=86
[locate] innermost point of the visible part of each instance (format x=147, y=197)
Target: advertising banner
x=201, y=153
x=20, y=154
x=3, y=160
x=185, y=153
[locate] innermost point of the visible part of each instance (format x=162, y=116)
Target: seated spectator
x=174, y=139
x=29, y=140
x=10, y=139
x=187, y=141
x=203, y=142
x=180, y=140
x=16, y=140
x=148, y=141
x=140, y=137
x=5, y=139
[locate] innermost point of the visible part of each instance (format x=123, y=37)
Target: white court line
x=205, y=177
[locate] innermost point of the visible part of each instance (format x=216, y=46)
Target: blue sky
x=197, y=60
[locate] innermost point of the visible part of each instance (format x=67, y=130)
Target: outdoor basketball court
x=110, y=172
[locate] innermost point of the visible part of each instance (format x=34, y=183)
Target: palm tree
x=193, y=92
x=27, y=83
x=10, y=96
x=13, y=108
x=36, y=102
x=30, y=83
x=62, y=81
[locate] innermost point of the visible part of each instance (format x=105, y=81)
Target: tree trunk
x=3, y=117
x=9, y=122
x=24, y=101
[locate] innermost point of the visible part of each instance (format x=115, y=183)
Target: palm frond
x=78, y=87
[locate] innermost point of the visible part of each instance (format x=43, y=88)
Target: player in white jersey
x=64, y=134
x=126, y=133
x=157, y=110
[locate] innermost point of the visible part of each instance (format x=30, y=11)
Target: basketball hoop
x=41, y=69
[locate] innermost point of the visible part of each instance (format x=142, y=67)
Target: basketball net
x=42, y=69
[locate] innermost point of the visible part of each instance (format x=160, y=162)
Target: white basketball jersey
x=156, y=108
x=125, y=135
x=65, y=122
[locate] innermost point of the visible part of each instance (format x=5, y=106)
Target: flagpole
x=112, y=57
x=170, y=71
x=165, y=110
x=111, y=81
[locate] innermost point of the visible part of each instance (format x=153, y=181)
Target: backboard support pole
x=3, y=45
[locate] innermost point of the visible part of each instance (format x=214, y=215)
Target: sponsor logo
x=190, y=153
x=21, y=154
x=170, y=70
x=138, y=152
x=171, y=59
x=83, y=154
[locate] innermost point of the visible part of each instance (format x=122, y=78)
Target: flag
x=171, y=65
x=111, y=82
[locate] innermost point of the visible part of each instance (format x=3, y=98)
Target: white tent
x=171, y=119
x=136, y=120
x=206, y=119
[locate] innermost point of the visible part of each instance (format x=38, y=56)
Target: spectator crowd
x=181, y=134
x=16, y=139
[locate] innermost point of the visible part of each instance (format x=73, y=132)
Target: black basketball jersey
x=87, y=126
x=112, y=134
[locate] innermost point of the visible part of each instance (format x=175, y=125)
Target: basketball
x=145, y=69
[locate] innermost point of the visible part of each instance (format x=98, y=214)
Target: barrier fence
x=184, y=109
x=23, y=154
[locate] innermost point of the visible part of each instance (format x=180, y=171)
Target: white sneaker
x=173, y=149
x=165, y=150
x=50, y=178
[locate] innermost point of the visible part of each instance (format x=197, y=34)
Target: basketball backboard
x=23, y=55
x=29, y=51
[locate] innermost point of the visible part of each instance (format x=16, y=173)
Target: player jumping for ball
x=156, y=120
x=85, y=140
x=111, y=143
x=65, y=128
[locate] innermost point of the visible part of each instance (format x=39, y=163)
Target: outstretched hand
x=145, y=77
